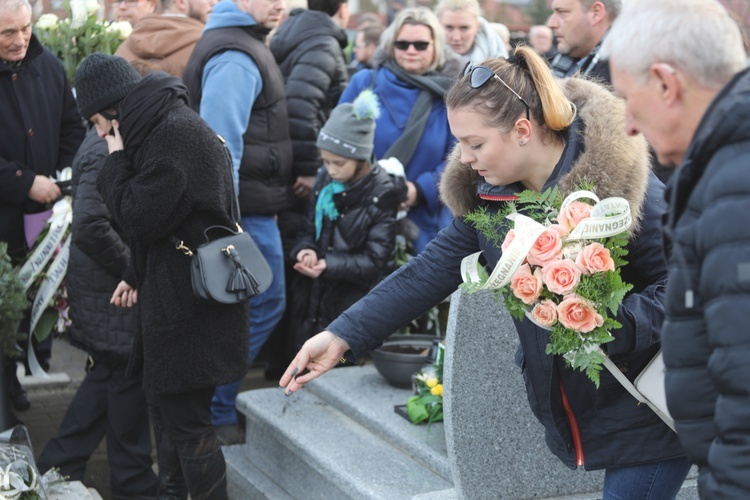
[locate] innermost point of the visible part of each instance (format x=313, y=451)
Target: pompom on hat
x=102, y=81
x=350, y=130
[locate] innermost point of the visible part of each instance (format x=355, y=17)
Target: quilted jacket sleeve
x=92, y=226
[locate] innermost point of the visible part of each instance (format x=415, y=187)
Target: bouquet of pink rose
x=560, y=268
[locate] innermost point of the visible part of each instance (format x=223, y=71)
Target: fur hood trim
x=617, y=165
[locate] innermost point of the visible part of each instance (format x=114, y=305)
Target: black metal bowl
x=401, y=356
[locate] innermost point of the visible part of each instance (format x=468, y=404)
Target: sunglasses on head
x=479, y=75
x=404, y=45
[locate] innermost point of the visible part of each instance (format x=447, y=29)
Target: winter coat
x=706, y=346
x=162, y=43
x=599, y=71
x=173, y=180
x=308, y=48
x=98, y=260
x=614, y=429
x=40, y=131
x=397, y=99
x=358, y=247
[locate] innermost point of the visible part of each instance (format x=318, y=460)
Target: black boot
x=171, y=481
x=205, y=473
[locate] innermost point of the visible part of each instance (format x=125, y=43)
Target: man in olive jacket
x=691, y=99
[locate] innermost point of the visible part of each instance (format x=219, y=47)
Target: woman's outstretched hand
x=318, y=355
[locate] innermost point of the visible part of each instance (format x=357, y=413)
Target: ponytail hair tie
x=515, y=60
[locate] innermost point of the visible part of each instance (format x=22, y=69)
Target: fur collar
x=616, y=164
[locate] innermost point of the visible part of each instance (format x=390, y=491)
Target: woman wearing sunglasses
x=519, y=128
x=412, y=73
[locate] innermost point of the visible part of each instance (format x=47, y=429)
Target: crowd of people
x=434, y=116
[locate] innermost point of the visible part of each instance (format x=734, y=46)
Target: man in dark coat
x=308, y=48
x=693, y=109
x=40, y=131
x=580, y=27
x=39, y=124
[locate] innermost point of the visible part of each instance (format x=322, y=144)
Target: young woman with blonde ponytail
x=520, y=128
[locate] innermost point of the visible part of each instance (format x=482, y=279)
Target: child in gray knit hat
x=347, y=242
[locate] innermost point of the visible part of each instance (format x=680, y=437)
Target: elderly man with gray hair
x=40, y=131
x=680, y=66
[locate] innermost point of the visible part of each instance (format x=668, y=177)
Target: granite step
x=338, y=438
x=362, y=394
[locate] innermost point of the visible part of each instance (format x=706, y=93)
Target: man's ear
x=665, y=76
x=343, y=13
x=180, y=5
x=597, y=13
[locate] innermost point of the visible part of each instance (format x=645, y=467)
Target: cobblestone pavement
x=50, y=401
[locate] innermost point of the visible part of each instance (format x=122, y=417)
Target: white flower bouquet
x=82, y=33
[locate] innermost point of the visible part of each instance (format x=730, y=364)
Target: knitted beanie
x=350, y=129
x=103, y=81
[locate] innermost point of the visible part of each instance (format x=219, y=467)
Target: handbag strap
x=626, y=383
x=234, y=212
x=633, y=390
x=235, y=209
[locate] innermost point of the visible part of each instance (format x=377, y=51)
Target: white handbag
x=648, y=387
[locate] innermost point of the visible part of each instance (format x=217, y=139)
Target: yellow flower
x=431, y=382
x=437, y=390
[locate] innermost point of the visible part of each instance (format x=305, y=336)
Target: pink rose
x=562, y=231
x=578, y=314
x=595, y=258
x=547, y=248
x=545, y=313
x=574, y=213
x=525, y=285
x=508, y=240
x=561, y=276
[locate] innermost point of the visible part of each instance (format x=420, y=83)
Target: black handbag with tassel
x=229, y=267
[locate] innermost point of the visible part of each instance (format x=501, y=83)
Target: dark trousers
x=107, y=404
x=187, y=419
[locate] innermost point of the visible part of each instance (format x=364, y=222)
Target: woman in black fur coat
x=167, y=176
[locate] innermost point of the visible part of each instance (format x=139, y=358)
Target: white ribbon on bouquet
x=56, y=238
